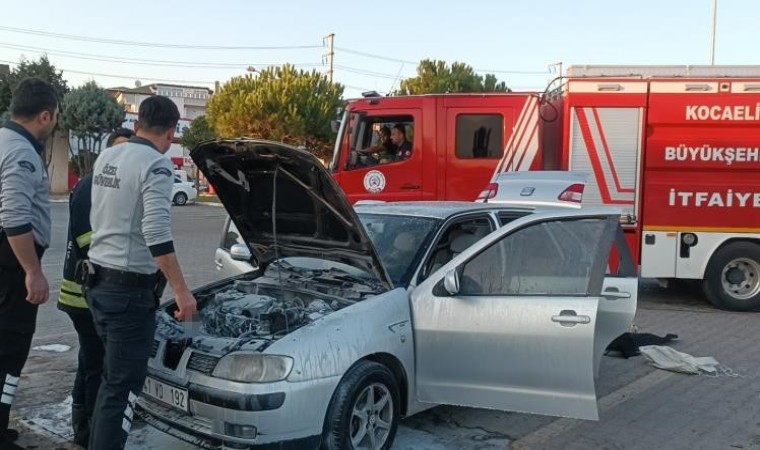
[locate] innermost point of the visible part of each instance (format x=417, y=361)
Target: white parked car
x=183, y=192
x=548, y=188
x=355, y=318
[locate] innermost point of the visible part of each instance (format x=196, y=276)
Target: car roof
x=435, y=209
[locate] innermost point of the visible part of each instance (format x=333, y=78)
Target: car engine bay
x=263, y=308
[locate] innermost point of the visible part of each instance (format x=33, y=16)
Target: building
x=190, y=100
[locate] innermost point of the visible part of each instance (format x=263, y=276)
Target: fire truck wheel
x=732, y=279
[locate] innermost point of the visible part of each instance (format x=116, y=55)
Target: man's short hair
x=119, y=133
x=31, y=97
x=158, y=114
x=401, y=128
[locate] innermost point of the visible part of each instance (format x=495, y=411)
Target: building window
x=479, y=136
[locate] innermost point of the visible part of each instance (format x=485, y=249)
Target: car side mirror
x=240, y=252
x=451, y=282
x=335, y=125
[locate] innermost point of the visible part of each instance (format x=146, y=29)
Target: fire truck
x=677, y=147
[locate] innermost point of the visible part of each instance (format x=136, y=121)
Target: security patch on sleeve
x=28, y=166
x=162, y=171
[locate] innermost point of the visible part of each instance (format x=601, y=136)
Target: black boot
x=11, y=435
x=80, y=422
x=10, y=445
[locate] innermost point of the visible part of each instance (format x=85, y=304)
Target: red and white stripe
x=601, y=159
x=522, y=146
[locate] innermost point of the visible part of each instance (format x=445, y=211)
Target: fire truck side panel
x=659, y=254
x=702, y=173
x=605, y=143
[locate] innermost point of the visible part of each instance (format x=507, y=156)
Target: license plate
x=166, y=393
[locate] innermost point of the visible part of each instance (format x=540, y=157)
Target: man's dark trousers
x=125, y=320
x=17, y=323
x=89, y=372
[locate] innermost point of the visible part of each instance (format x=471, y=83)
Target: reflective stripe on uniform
x=129, y=412
x=72, y=300
x=71, y=295
x=9, y=389
x=71, y=287
x=84, y=240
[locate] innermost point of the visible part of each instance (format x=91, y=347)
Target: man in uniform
x=131, y=241
x=403, y=147
x=71, y=301
x=24, y=233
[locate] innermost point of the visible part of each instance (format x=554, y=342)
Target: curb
x=212, y=204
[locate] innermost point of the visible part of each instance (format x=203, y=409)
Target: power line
x=147, y=62
x=164, y=80
x=151, y=44
x=374, y=56
x=97, y=57
x=365, y=72
x=404, y=61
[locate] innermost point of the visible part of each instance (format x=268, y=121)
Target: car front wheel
x=180, y=199
x=364, y=410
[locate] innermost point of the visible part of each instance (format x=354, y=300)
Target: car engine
x=250, y=309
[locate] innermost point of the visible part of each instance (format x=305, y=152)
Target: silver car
x=353, y=320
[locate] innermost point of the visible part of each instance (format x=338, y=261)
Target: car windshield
x=400, y=242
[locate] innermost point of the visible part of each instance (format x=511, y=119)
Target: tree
x=436, y=77
x=41, y=68
x=90, y=113
x=200, y=130
x=280, y=103
x=25, y=69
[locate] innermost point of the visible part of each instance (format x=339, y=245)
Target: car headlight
x=253, y=368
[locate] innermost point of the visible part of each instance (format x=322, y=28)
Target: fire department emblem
x=374, y=181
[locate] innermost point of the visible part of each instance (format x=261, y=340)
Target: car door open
x=509, y=324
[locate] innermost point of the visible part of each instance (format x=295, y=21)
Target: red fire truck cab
x=456, y=142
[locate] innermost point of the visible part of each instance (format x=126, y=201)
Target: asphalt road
x=637, y=402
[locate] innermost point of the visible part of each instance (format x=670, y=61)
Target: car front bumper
x=291, y=418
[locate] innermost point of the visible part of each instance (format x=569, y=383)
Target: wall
x=58, y=169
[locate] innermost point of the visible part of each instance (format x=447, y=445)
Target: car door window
x=549, y=258
x=457, y=237
x=508, y=216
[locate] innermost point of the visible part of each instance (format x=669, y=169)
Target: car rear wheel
x=732, y=279
x=180, y=199
x=364, y=411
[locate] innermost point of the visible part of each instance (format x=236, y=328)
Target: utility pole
x=714, y=22
x=330, y=54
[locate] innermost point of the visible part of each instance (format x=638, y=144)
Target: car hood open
x=302, y=213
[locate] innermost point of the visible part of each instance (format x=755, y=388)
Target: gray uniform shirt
x=24, y=188
x=131, y=201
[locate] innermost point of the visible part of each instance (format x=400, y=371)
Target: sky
x=376, y=43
